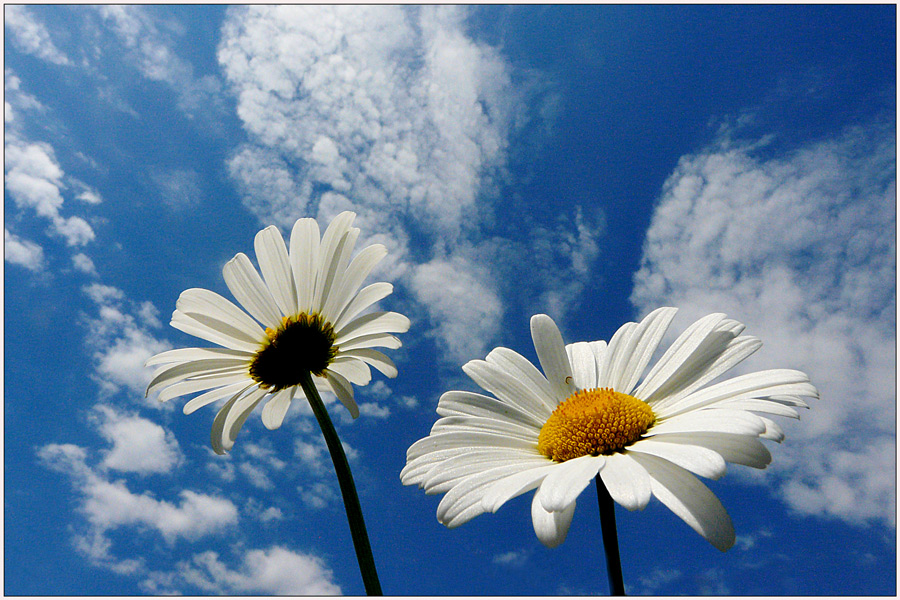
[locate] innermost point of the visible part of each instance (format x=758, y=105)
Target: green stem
x=610, y=539
x=348, y=489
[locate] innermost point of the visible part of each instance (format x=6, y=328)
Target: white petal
x=344, y=392
x=736, y=449
x=521, y=368
x=500, y=492
x=275, y=264
x=773, y=430
x=248, y=287
x=214, y=333
x=333, y=242
x=465, y=439
x=213, y=395
x=761, y=406
x=584, y=365
x=374, y=340
x=376, y=322
x=191, y=354
x=478, y=405
x=276, y=408
x=626, y=481
x=491, y=424
x=551, y=528
x=507, y=388
x=567, y=481
x=421, y=467
x=366, y=297
x=220, y=444
x=197, y=302
x=714, y=419
x=374, y=358
x=447, y=475
x=626, y=362
x=674, y=358
x=688, y=498
x=351, y=369
x=203, y=383
x=169, y=374
x=304, y=256
x=551, y=351
x=239, y=414
x=358, y=269
x=463, y=502
x=696, y=459
x=760, y=384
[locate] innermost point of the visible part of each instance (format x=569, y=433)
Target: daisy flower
x=592, y=413
x=306, y=316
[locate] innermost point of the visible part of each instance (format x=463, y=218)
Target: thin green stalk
x=348, y=489
x=610, y=539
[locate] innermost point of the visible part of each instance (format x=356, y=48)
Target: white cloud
x=513, y=558
x=30, y=35
x=108, y=505
x=178, y=188
x=374, y=410
x=34, y=180
x=19, y=251
x=466, y=313
x=121, y=341
x=396, y=113
x=317, y=495
x=17, y=99
x=149, y=47
x=273, y=513
x=655, y=582
x=800, y=248
x=138, y=445
x=83, y=263
x=277, y=571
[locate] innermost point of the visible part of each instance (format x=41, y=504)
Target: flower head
x=305, y=316
x=592, y=413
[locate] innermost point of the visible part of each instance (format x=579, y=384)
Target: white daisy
x=591, y=413
x=310, y=307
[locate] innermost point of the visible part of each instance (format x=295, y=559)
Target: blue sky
x=592, y=163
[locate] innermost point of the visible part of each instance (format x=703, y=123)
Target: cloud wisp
x=800, y=247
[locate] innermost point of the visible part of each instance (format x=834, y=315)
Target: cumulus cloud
x=800, y=247
x=108, y=505
x=83, y=263
x=34, y=180
x=277, y=570
x=465, y=311
x=138, y=445
x=22, y=252
x=121, y=341
x=398, y=114
x=30, y=35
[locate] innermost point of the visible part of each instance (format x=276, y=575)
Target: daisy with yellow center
x=307, y=317
x=593, y=413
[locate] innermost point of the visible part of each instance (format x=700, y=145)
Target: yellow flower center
x=593, y=422
x=302, y=343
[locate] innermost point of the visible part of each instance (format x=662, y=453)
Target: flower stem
x=348, y=489
x=610, y=539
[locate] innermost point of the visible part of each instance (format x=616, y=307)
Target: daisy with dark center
x=593, y=414
x=306, y=328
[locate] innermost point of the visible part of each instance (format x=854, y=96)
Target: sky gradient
x=588, y=162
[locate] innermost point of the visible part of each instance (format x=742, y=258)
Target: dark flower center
x=303, y=343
